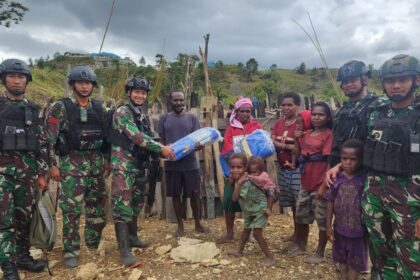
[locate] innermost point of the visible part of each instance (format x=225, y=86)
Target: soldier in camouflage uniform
x=131, y=147
x=23, y=165
x=75, y=133
x=391, y=200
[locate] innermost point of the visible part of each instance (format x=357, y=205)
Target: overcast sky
x=372, y=31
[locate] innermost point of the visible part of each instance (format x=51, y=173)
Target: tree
x=273, y=67
x=11, y=12
x=301, y=69
x=56, y=55
x=252, y=68
x=142, y=61
x=159, y=59
x=40, y=63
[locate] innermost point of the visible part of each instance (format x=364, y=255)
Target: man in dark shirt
x=182, y=176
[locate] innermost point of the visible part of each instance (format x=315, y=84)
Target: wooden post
x=66, y=84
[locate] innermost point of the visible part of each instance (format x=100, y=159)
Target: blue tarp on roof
x=211, y=64
x=105, y=54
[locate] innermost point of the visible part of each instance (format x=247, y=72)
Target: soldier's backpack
x=43, y=228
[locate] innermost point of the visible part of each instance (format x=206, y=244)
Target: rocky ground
x=156, y=261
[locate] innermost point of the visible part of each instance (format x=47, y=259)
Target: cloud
x=347, y=29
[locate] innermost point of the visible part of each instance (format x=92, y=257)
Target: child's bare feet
x=268, y=261
x=179, y=232
x=288, y=238
x=201, y=229
x=234, y=252
x=295, y=250
x=314, y=259
x=228, y=238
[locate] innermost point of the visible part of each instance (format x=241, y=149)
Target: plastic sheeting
x=258, y=143
x=185, y=145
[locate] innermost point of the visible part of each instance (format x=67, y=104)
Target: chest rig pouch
x=142, y=156
x=350, y=124
x=18, y=126
x=84, y=134
x=393, y=147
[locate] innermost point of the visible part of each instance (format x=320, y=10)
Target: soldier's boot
x=27, y=262
x=71, y=262
x=135, y=241
x=10, y=271
x=121, y=232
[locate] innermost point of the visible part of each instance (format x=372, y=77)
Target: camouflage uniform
x=81, y=181
x=128, y=189
x=18, y=173
x=391, y=207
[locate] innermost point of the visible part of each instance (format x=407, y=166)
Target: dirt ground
x=160, y=232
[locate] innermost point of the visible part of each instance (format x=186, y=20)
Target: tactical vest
x=142, y=156
x=350, y=123
x=394, y=146
x=18, y=126
x=84, y=135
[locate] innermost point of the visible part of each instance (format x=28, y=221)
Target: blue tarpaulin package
x=258, y=143
x=185, y=145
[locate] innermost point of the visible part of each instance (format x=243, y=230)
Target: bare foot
x=225, y=239
x=288, y=238
x=295, y=251
x=291, y=246
x=314, y=259
x=200, y=228
x=268, y=261
x=234, y=252
x=179, y=232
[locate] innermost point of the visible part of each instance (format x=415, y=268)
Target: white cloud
x=348, y=29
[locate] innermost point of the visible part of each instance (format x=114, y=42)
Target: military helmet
x=399, y=65
x=352, y=69
x=137, y=83
x=13, y=65
x=82, y=73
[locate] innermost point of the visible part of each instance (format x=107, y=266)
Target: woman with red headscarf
x=240, y=125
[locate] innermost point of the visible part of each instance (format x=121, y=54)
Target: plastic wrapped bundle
x=258, y=143
x=185, y=145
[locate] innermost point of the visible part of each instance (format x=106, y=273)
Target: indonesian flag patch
x=53, y=120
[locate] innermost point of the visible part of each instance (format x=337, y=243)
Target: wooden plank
x=216, y=152
x=207, y=105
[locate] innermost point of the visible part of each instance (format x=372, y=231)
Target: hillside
x=228, y=81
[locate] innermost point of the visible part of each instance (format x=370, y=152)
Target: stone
x=37, y=254
x=105, y=248
x=209, y=262
x=162, y=250
x=87, y=271
x=217, y=271
x=188, y=241
x=52, y=263
x=224, y=262
x=168, y=236
x=22, y=275
x=135, y=274
x=194, y=251
x=151, y=278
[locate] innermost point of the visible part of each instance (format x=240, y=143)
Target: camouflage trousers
x=76, y=191
x=128, y=194
x=390, y=210
x=17, y=197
